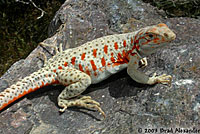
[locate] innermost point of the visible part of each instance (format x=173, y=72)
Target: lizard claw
x=164, y=79
x=143, y=62
x=81, y=101
x=64, y=107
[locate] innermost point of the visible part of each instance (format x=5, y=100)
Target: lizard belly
x=108, y=71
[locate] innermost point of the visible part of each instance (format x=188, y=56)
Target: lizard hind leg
x=76, y=82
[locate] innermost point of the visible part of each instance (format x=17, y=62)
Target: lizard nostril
x=166, y=35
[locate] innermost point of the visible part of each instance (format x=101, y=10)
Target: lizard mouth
x=173, y=37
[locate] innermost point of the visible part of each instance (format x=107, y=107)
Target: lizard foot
x=44, y=57
x=164, y=79
x=84, y=101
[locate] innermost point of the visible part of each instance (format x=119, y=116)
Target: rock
x=179, y=8
x=130, y=107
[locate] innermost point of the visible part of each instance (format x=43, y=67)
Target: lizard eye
x=150, y=35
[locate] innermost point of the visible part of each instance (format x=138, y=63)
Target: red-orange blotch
x=116, y=45
x=83, y=56
x=103, y=61
x=93, y=65
x=124, y=43
x=106, y=49
x=120, y=58
x=137, y=47
x=162, y=25
x=87, y=70
x=112, y=59
x=95, y=73
x=73, y=60
x=131, y=40
x=95, y=53
x=65, y=64
x=80, y=67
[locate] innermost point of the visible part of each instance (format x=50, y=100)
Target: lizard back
x=99, y=58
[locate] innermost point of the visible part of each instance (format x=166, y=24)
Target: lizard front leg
x=141, y=77
x=76, y=82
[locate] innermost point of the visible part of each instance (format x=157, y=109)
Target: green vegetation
x=20, y=30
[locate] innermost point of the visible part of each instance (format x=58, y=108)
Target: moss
x=20, y=29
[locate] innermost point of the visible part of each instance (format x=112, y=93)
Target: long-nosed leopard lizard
x=92, y=62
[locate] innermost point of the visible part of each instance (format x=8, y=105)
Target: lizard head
x=151, y=38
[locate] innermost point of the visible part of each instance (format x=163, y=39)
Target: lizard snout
x=169, y=35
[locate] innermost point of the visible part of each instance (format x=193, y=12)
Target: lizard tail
x=29, y=84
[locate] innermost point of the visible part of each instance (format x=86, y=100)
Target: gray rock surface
x=128, y=105
x=181, y=8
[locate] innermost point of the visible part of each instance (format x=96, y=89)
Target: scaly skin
x=93, y=62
